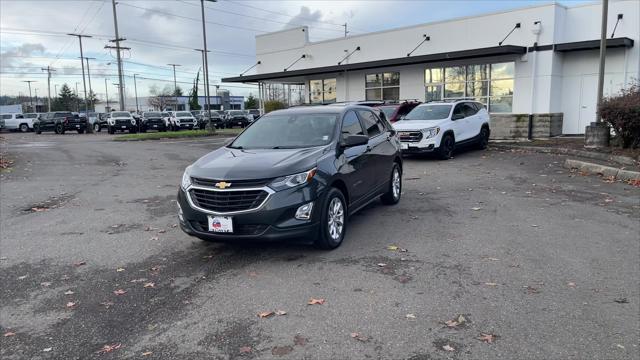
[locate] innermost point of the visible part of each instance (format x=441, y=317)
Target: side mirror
x=457, y=117
x=355, y=140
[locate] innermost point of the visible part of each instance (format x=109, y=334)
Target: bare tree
x=159, y=99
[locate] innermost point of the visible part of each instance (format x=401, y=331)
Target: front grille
x=410, y=136
x=123, y=122
x=238, y=229
x=234, y=183
x=227, y=201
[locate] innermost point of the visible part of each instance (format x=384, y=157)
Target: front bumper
x=415, y=148
x=186, y=126
x=273, y=221
x=75, y=126
x=154, y=124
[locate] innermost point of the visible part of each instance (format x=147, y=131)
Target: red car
x=394, y=112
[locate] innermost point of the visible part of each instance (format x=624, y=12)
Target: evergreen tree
x=66, y=99
x=177, y=91
x=193, y=94
x=251, y=102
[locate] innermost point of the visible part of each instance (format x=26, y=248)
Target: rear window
x=235, y=113
x=120, y=114
x=61, y=114
x=6, y=116
x=388, y=110
x=183, y=113
x=151, y=114
x=429, y=112
x=30, y=116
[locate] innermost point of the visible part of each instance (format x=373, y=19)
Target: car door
x=381, y=151
x=458, y=122
x=353, y=163
x=471, y=121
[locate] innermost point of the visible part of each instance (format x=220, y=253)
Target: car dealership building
x=538, y=63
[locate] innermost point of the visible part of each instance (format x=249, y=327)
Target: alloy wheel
x=336, y=218
x=396, y=183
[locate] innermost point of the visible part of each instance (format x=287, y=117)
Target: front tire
x=24, y=128
x=447, y=145
x=333, y=220
x=110, y=130
x=392, y=196
x=96, y=128
x=60, y=129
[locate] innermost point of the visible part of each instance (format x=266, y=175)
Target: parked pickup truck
x=153, y=120
x=19, y=121
x=121, y=121
x=59, y=122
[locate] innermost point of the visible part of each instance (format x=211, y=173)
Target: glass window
x=502, y=104
x=351, y=125
x=453, y=90
x=371, y=123
x=459, y=110
x=433, y=93
x=469, y=109
x=453, y=74
x=478, y=72
x=501, y=87
x=429, y=112
x=383, y=86
x=502, y=71
x=477, y=88
x=322, y=91
x=6, y=116
x=433, y=75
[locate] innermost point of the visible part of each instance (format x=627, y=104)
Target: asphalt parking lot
x=540, y=262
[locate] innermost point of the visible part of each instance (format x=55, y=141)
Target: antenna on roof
x=426, y=38
x=512, y=30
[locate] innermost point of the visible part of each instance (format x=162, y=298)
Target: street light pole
x=30, y=98
x=206, y=60
x=175, y=84
x=206, y=85
x=597, y=134
x=117, y=41
x=135, y=89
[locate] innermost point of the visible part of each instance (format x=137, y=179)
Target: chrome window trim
x=198, y=187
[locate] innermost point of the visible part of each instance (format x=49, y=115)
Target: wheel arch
x=342, y=186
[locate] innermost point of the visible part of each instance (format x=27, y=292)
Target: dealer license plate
x=221, y=224
x=78, y=126
x=124, y=127
x=404, y=146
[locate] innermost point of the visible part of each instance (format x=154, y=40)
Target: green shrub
x=622, y=112
x=273, y=105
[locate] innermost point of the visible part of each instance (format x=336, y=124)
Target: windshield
x=183, y=114
x=120, y=114
x=151, y=114
x=236, y=113
x=388, y=110
x=287, y=132
x=429, y=112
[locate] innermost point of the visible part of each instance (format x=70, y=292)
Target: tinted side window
x=351, y=125
x=6, y=116
x=371, y=123
x=459, y=110
x=469, y=109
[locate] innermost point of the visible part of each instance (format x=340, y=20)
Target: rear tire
x=333, y=220
x=36, y=128
x=96, y=128
x=483, y=141
x=60, y=129
x=447, y=145
x=393, y=194
x=24, y=128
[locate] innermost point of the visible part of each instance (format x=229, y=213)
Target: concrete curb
x=620, y=159
x=607, y=171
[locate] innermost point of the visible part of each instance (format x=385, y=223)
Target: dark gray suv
x=293, y=174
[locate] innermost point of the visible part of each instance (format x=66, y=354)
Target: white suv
x=441, y=126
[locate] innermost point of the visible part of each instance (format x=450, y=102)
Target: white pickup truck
x=22, y=122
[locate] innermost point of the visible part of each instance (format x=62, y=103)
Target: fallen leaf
x=455, y=322
x=448, y=348
x=71, y=305
x=534, y=225
x=382, y=264
x=475, y=209
x=281, y=350
x=155, y=268
x=39, y=209
x=491, y=284
x=299, y=340
x=359, y=337
x=155, y=238
x=620, y=346
x=403, y=279
x=281, y=312
x=492, y=259
x=106, y=304
x=623, y=300
x=138, y=280
x=488, y=338
x=410, y=316
x=47, y=349
x=392, y=247
x=571, y=284
x=109, y=348
x=265, y=314
x=252, y=273
x=22, y=277
x=532, y=290
x=80, y=263
x=245, y=350
x=174, y=225
x=69, y=292
x=451, y=323
x=120, y=292
x=119, y=269
x=9, y=334
x=162, y=231
x=45, y=284
x=149, y=285
x=313, y=301
x=147, y=353
x=115, y=226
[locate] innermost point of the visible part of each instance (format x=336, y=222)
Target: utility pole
x=206, y=60
x=175, y=84
x=117, y=41
x=89, y=78
x=106, y=94
x=84, y=84
x=36, y=91
x=135, y=89
x=77, y=97
x=30, y=98
x=48, y=69
x=597, y=134
x=345, y=29
x=206, y=84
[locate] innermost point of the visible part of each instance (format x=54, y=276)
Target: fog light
x=304, y=211
x=180, y=214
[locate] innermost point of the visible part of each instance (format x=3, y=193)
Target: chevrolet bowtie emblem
x=222, y=185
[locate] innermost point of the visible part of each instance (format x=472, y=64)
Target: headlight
x=431, y=132
x=186, y=178
x=133, y=121
x=294, y=180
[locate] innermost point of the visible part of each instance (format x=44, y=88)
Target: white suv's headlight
x=431, y=132
x=186, y=178
x=294, y=180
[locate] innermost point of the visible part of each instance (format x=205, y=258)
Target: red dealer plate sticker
x=221, y=224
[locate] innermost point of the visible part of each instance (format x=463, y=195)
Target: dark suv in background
x=237, y=118
x=152, y=120
x=295, y=173
x=60, y=122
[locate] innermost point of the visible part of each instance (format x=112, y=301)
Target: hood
x=235, y=164
x=416, y=124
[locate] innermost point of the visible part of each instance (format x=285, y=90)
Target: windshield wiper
x=235, y=147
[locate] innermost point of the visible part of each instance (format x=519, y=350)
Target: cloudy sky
x=161, y=32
